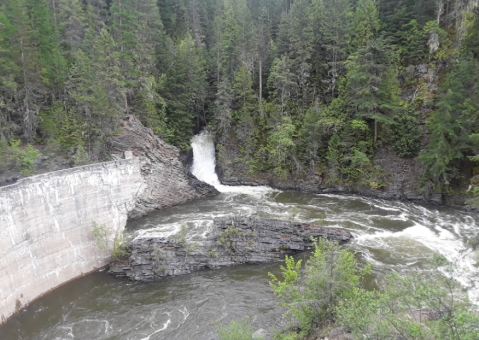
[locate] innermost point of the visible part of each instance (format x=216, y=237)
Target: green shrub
x=180, y=237
x=26, y=159
x=119, y=251
x=227, y=237
x=312, y=295
x=415, y=306
x=101, y=235
x=237, y=330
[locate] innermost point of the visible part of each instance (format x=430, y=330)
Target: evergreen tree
x=299, y=47
x=365, y=24
x=71, y=23
x=281, y=82
x=330, y=23
x=453, y=126
x=469, y=43
x=29, y=87
x=185, y=92
x=372, y=88
x=95, y=86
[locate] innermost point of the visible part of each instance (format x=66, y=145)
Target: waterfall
x=204, y=163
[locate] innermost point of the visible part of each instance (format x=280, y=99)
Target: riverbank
x=401, y=181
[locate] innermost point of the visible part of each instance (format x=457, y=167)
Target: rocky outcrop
x=402, y=183
x=168, y=182
x=234, y=240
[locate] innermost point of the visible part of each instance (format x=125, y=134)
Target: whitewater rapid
x=427, y=231
x=391, y=235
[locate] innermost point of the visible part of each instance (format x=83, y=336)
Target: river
x=389, y=234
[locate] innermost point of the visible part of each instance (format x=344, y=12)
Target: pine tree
x=29, y=87
x=223, y=104
x=53, y=67
x=330, y=22
x=281, y=82
x=365, y=24
x=71, y=23
x=244, y=99
x=372, y=88
x=453, y=126
x=96, y=87
x=185, y=91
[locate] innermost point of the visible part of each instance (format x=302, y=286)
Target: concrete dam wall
x=46, y=225
x=46, y=221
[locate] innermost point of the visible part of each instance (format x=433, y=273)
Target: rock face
x=46, y=233
x=402, y=173
x=233, y=240
x=168, y=182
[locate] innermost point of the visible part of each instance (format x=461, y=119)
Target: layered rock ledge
x=168, y=181
x=233, y=240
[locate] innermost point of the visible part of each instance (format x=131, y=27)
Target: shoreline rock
x=234, y=240
x=168, y=181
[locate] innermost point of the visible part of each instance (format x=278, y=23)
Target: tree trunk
x=260, y=80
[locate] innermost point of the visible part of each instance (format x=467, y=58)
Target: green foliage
x=312, y=296
x=180, y=237
x=14, y=157
x=335, y=158
x=26, y=159
x=414, y=306
x=365, y=24
x=212, y=253
x=119, y=251
x=295, y=87
x=61, y=128
x=80, y=157
x=281, y=146
x=453, y=126
x=407, y=134
x=228, y=236
x=469, y=42
x=236, y=330
x=101, y=235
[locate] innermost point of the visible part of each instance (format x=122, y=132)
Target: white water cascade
x=429, y=231
x=204, y=163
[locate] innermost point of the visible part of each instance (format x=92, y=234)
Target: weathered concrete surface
x=46, y=226
x=234, y=240
x=168, y=181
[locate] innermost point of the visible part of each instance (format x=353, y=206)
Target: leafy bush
x=236, y=330
x=102, y=237
x=180, y=237
x=418, y=306
x=13, y=157
x=407, y=134
x=119, y=247
x=312, y=295
x=227, y=237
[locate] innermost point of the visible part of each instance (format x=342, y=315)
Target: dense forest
x=297, y=85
